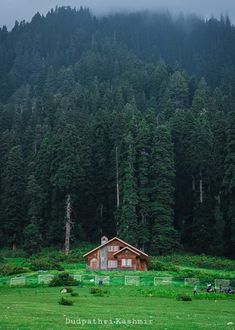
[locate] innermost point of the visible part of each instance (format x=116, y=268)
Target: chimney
x=104, y=240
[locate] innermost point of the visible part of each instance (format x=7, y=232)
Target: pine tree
x=162, y=175
x=34, y=199
x=127, y=227
x=201, y=167
x=201, y=97
x=183, y=124
x=142, y=168
x=218, y=127
x=127, y=218
x=65, y=175
x=178, y=92
x=32, y=238
x=229, y=185
x=12, y=200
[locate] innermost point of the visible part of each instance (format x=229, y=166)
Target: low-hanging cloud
x=11, y=10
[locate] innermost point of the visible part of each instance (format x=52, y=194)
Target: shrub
x=74, y=294
x=65, y=302
x=161, y=266
x=190, y=273
x=199, y=261
x=9, y=253
x=183, y=297
x=74, y=256
x=45, y=263
x=63, y=279
x=98, y=291
x=12, y=270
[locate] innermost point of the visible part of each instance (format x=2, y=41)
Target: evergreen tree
x=127, y=227
x=65, y=175
x=32, y=239
x=12, y=199
x=143, y=151
x=201, y=167
x=162, y=176
x=178, y=92
x=229, y=184
x=108, y=126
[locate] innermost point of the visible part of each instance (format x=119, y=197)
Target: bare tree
x=68, y=224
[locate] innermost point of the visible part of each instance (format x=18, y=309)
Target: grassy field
x=38, y=308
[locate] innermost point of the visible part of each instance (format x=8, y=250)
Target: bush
x=98, y=291
x=44, y=263
x=63, y=279
x=183, y=297
x=65, y=302
x=12, y=270
x=199, y=261
x=9, y=253
x=191, y=273
x=161, y=266
x=74, y=294
x=74, y=256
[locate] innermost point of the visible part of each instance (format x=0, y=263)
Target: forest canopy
x=144, y=100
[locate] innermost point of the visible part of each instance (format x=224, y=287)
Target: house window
x=126, y=262
x=112, y=264
x=112, y=248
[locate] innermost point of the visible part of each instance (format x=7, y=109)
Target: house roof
x=120, y=240
x=126, y=248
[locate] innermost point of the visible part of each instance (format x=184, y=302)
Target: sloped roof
x=120, y=240
x=126, y=248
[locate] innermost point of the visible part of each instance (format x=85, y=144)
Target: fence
x=18, y=281
x=191, y=281
x=162, y=280
x=132, y=280
x=113, y=280
x=45, y=279
x=221, y=284
x=103, y=279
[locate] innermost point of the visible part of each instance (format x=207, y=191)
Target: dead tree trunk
x=201, y=189
x=193, y=183
x=14, y=243
x=68, y=225
x=117, y=178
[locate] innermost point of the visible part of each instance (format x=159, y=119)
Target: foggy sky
x=11, y=10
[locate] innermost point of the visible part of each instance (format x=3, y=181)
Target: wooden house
x=116, y=254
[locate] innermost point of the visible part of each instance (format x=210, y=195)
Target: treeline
x=131, y=119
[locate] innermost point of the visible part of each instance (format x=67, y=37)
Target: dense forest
x=119, y=125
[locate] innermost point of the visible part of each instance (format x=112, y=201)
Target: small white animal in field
x=64, y=290
x=92, y=280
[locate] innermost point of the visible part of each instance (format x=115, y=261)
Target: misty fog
x=11, y=10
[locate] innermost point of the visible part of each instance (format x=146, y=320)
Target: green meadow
x=35, y=306
x=38, y=308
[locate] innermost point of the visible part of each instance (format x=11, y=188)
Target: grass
x=176, y=266
x=198, y=261
x=38, y=308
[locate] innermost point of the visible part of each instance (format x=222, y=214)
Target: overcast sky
x=11, y=10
